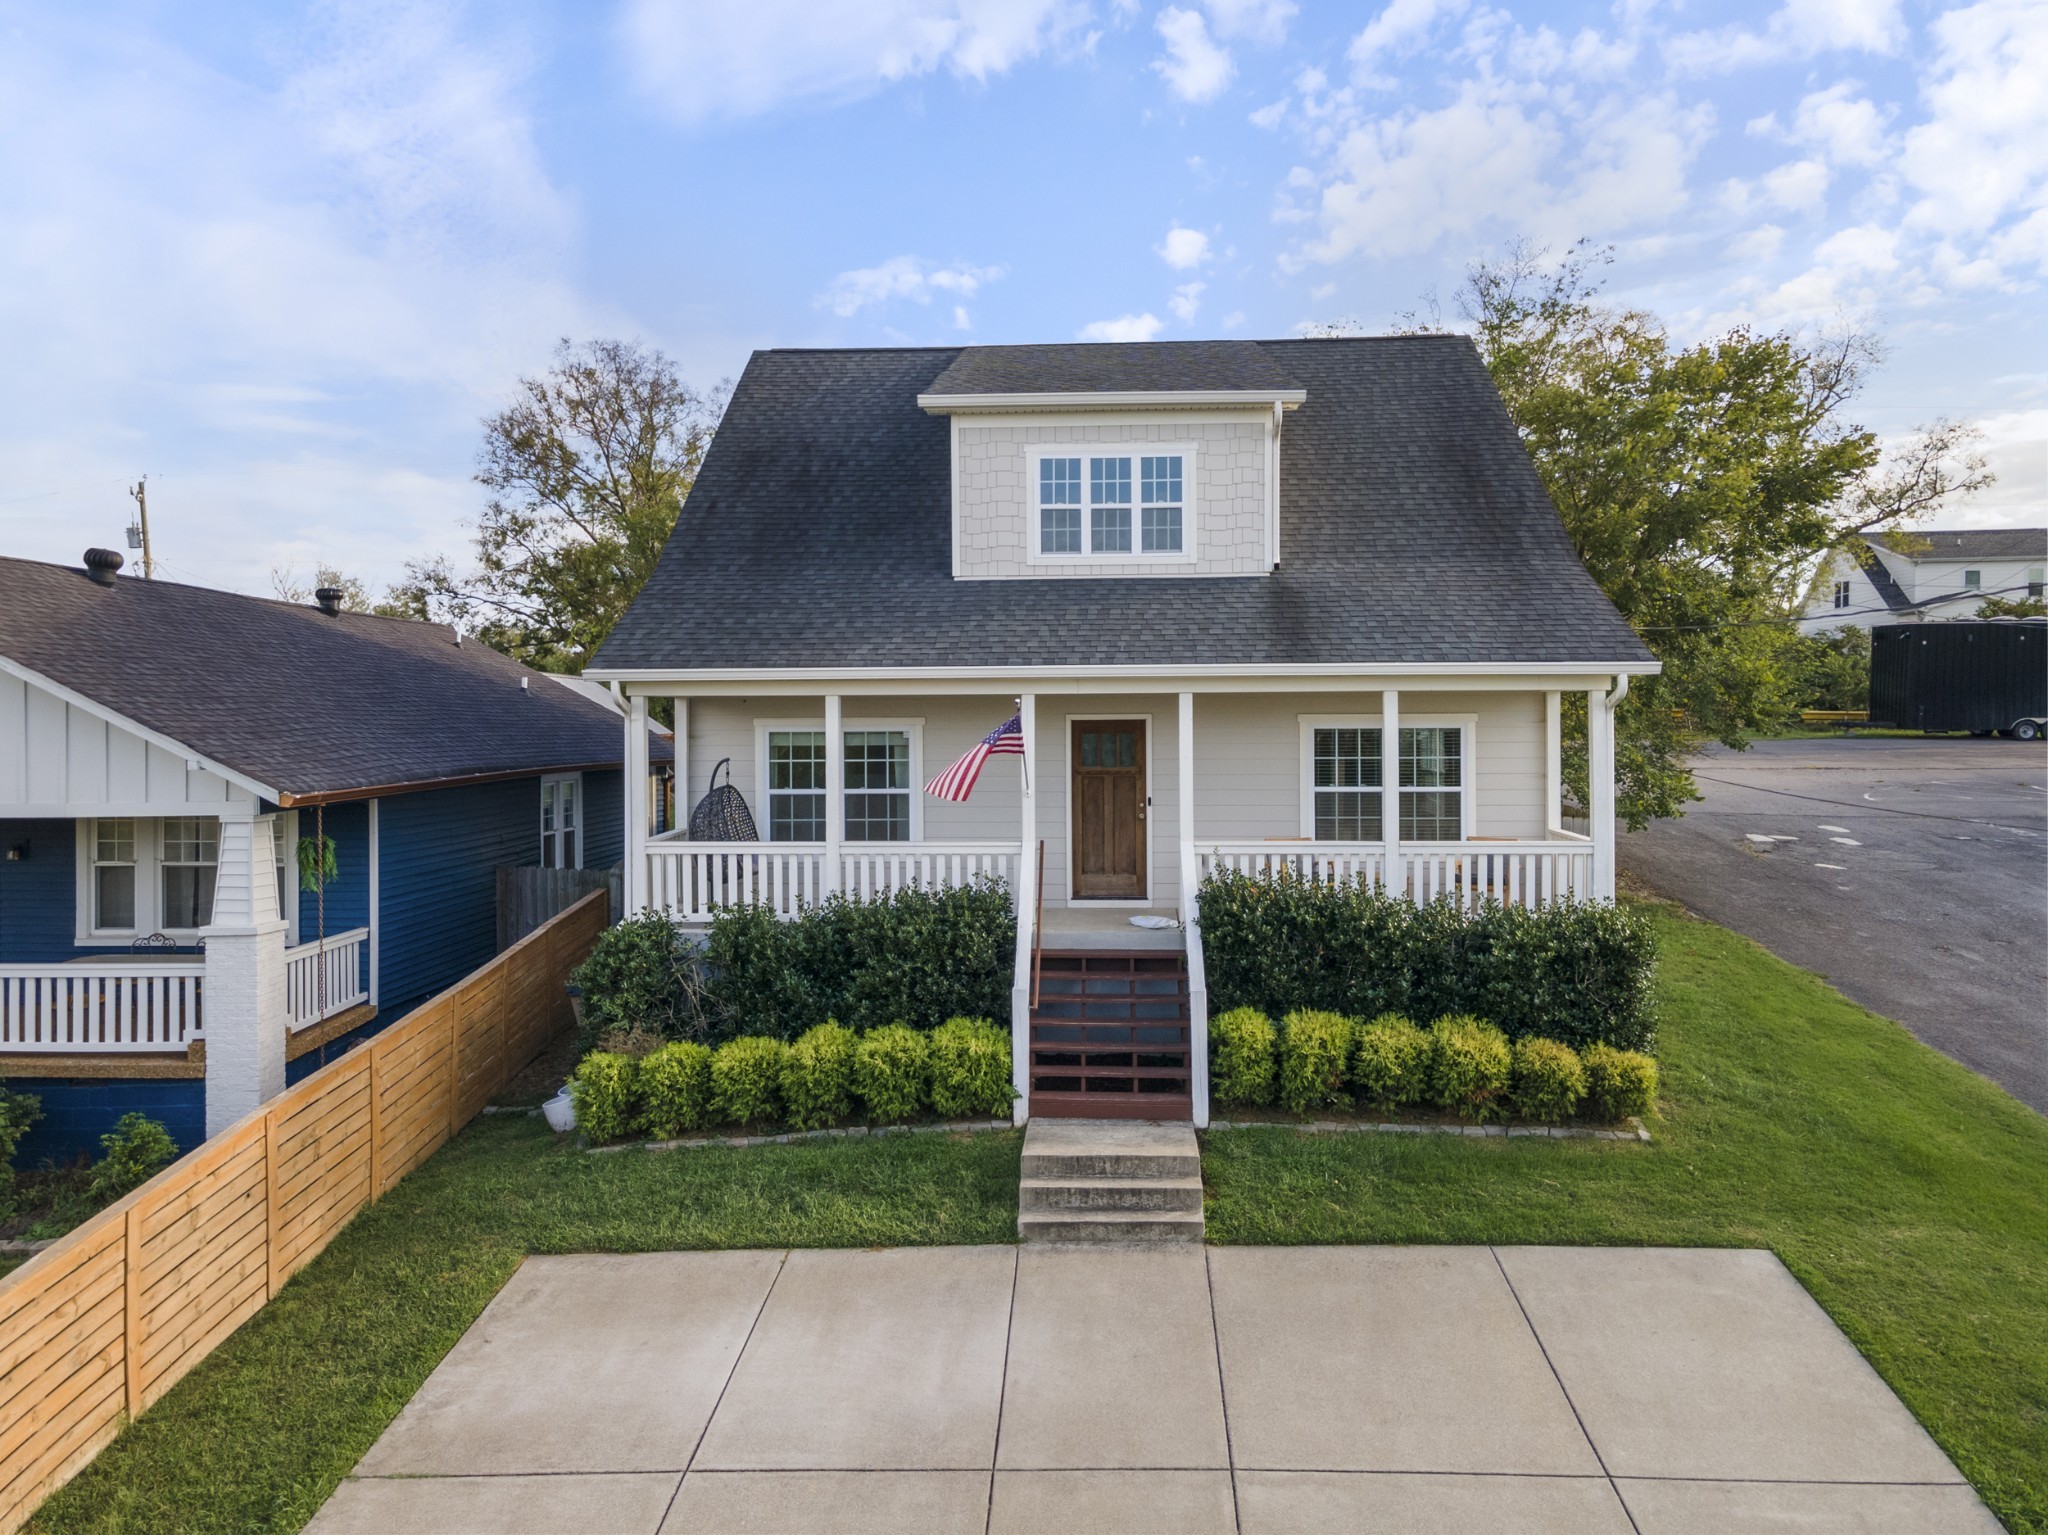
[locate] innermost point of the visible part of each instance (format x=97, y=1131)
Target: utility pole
x=138, y=535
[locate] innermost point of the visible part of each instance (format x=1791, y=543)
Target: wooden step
x=1049, y=1196
x=1110, y=1228
x=1110, y=1036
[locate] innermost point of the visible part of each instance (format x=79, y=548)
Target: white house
x=1297, y=605
x=1914, y=577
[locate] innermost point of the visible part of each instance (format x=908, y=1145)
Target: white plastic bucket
x=561, y=1112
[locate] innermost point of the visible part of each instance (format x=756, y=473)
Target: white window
x=1973, y=580
x=2035, y=581
x=191, y=860
x=1432, y=784
x=878, y=786
x=1841, y=594
x=113, y=876
x=561, y=822
x=796, y=786
x=1344, y=788
x=1346, y=783
x=879, y=801
x=1113, y=505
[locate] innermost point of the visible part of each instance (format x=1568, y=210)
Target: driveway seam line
x=995, y=1454
x=1578, y=1418
x=1222, y=1390
x=724, y=1386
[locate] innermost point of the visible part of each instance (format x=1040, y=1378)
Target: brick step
x=1130, y=1228
x=1051, y=1196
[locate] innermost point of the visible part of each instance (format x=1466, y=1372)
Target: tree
x=587, y=469
x=1701, y=485
x=2012, y=607
x=284, y=580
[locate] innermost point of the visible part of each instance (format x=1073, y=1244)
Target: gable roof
x=1966, y=544
x=1872, y=564
x=1414, y=529
x=1148, y=367
x=309, y=705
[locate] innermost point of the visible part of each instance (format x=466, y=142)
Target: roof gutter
x=1359, y=670
x=1102, y=399
x=420, y=785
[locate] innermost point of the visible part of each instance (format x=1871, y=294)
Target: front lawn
x=1908, y=1194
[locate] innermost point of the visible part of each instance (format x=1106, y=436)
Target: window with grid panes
x=1841, y=594
x=113, y=876
x=877, y=786
x=796, y=786
x=1346, y=783
x=191, y=860
x=1059, y=506
x=1432, y=783
x=1109, y=506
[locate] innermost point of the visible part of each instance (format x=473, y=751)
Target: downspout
x=1273, y=490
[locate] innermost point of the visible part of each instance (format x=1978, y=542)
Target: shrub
x=970, y=1066
x=1390, y=1061
x=1619, y=1083
x=746, y=1078
x=817, y=1077
x=1313, y=1050
x=1573, y=972
x=1549, y=1081
x=892, y=1071
x=642, y=974
x=18, y=1111
x=606, y=1089
x=134, y=1149
x=636, y=1042
x=1470, y=1067
x=675, y=1089
x=1244, y=1047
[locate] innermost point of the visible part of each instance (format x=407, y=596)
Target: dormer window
x=1113, y=505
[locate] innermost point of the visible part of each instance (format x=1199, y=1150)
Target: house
x=166, y=749
x=1294, y=605
x=1916, y=577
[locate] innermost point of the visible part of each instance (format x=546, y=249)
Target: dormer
x=1114, y=460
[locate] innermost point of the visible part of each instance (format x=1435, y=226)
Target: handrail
x=1038, y=927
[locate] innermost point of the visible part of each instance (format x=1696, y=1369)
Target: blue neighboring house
x=163, y=751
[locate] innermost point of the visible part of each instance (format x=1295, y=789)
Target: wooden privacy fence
x=97, y=1327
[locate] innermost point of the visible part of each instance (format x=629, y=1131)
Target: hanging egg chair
x=722, y=814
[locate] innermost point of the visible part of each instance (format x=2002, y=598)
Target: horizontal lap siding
x=348, y=893
x=102, y=1324
x=604, y=819
x=438, y=894
x=39, y=893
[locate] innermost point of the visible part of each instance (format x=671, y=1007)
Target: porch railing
x=1518, y=873
x=692, y=880
x=340, y=960
x=120, y=1005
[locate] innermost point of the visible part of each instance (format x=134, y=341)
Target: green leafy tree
x=2012, y=607
x=1702, y=485
x=587, y=469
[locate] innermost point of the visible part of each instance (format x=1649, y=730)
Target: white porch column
x=376, y=899
x=1027, y=912
x=835, y=796
x=681, y=745
x=635, y=799
x=1600, y=787
x=1390, y=789
x=1198, y=979
x=244, y=999
x=1553, y=762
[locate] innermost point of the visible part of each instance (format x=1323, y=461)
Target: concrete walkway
x=1256, y=1389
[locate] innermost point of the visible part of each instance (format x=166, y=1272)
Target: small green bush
x=970, y=1066
x=1244, y=1049
x=746, y=1079
x=18, y=1111
x=1470, y=1067
x=1390, y=1062
x=1313, y=1050
x=892, y=1071
x=642, y=975
x=134, y=1149
x=1549, y=1081
x=817, y=1077
x=606, y=1091
x=675, y=1089
x=1619, y=1083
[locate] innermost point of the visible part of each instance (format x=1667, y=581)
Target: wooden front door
x=1109, y=809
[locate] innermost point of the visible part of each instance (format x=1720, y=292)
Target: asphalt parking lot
x=1912, y=873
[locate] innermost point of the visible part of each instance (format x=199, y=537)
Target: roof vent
x=329, y=598
x=103, y=565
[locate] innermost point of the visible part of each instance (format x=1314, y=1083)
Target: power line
x=1844, y=804
x=1795, y=618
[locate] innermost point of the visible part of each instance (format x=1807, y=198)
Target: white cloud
x=1757, y=246
x=1271, y=115
x=902, y=277
x=1799, y=29
x=1184, y=249
x=2016, y=445
x=1257, y=21
x=1846, y=127
x=1187, y=298
x=704, y=59
x=1195, y=68
x=1801, y=185
x=1129, y=327
x=1982, y=155
x=961, y=319
x=1398, y=29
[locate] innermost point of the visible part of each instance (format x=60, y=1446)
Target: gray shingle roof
x=294, y=699
x=1413, y=529
x=1095, y=367
x=1967, y=544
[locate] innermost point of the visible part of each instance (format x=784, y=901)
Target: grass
x=1909, y=1195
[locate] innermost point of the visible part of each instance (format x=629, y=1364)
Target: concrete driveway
x=1913, y=874
x=1004, y=1389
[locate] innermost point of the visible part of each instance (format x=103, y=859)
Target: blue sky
x=283, y=258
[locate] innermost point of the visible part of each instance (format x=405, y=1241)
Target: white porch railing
x=340, y=960
x=1523, y=873
x=692, y=880
x=113, y=1005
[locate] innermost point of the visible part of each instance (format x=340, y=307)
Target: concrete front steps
x=1110, y=1182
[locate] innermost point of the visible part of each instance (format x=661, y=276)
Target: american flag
x=958, y=781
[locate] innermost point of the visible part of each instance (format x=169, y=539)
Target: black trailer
x=1978, y=675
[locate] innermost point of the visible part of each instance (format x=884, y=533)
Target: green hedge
x=1390, y=1062
x=746, y=1079
x=1549, y=1080
x=1313, y=1050
x=817, y=1077
x=1245, y=1047
x=970, y=1066
x=1620, y=1084
x=675, y=1089
x=892, y=1071
x=642, y=974
x=606, y=1093
x=1470, y=1068
x=1577, y=972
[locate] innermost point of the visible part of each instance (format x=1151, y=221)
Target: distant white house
x=1914, y=577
